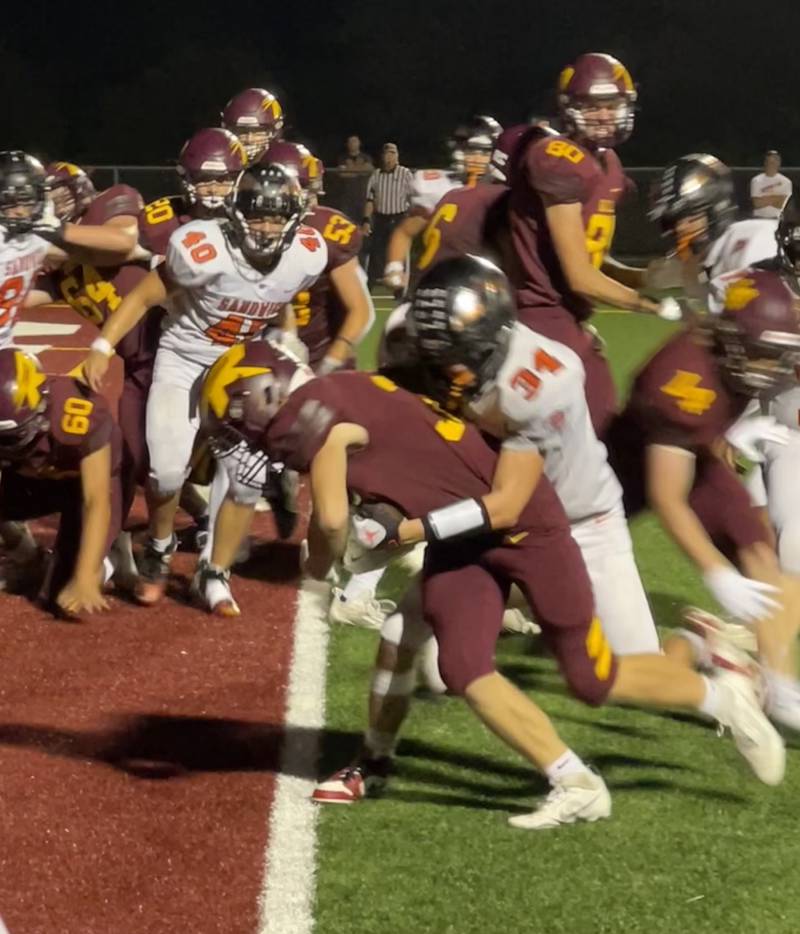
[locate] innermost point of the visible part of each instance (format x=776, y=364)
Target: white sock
x=567, y=763
x=161, y=544
x=379, y=744
x=216, y=496
x=710, y=703
x=362, y=585
x=780, y=689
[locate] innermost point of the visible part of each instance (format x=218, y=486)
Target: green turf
x=695, y=843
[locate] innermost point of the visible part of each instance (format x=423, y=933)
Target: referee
x=388, y=195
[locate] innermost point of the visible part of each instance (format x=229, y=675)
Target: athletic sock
x=161, y=544
x=568, y=763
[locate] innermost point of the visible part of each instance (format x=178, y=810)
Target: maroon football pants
x=465, y=586
x=23, y=498
x=559, y=325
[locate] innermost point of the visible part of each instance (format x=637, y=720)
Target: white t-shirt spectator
x=764, y=184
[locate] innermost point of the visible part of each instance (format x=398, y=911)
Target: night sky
x=128, y=83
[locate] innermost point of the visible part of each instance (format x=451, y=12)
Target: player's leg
x=619, y=597
x=403, y=634
x=172, y=424
x=464, y=603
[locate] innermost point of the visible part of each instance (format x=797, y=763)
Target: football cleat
x=582, y=796
x=718, y=632
x=517, y=621
x=755, y=737
x=153, y=572
x=354, y=783
x=211, y=588
x=363, y=611
x=125, y=574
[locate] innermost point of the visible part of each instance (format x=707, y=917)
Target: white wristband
x=396, y=265
x=101, y=345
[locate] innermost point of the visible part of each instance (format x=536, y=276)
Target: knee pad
x=405, y=630
x=387, y=683
x=168, y=482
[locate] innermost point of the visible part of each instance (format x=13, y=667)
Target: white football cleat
x=755, y=737
x=211, y=588
x=364, y=611
x=354, y=783
x=516, y=621
x=716, y=630
x=582, y=796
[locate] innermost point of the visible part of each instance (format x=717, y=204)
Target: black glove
x=377, y=524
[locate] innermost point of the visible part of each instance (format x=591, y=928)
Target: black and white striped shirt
x=390, y=191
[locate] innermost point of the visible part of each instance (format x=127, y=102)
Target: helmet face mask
x=208, y=166
x=256, y=117
x=71, y=190
x=471, y=147
x=596, y=99
x=603, y=122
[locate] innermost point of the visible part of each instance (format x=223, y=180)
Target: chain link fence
x=635, y=238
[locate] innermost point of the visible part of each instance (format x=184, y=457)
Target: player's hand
x=394, y=276
x=377, y=525
x=366, y=229
x=748, y=434
x=747, y=599
x=49, y=227
x=95, y=367
x=81, y=597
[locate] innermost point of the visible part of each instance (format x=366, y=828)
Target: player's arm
x=515, y=479
x=151, y=291
x=331, y=505
x=565, y=222
x=118, y=236
x=350, y=285
x=634, y=277
x=83, y=591
x=397, y=253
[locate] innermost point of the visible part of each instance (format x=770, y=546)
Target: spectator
x=388, y=195
x=354, y=160
x=770, y=190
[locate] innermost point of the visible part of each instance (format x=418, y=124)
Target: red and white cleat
x=211, y=588
x=153, y=572
x=354, y=783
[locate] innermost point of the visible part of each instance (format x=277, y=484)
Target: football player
x=256, y=117
x=670, y=451
x=471, y=147
x=562, y=217
x=358, y=433
x=224, y=284
x=59, y=453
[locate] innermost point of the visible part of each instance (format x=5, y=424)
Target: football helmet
x=240, y=395
x=596, y=100
x=256, y=117
x=23, y=192
x=267, y=207
x=757, y=335
x=471, y=146
x=788, y=236
x=23, y=403
x=291, y=157
x=70, y=188
x=694, y=203
x=208, y=166
x=460, y=321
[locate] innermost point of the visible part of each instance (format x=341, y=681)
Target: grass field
x=695, y=843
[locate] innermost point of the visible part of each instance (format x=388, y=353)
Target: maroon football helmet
x=71, y=189
x=757, y=335
x=241, y=395
x=23, y=403
x=208, y=166
x=256, y=117
x=596, y=99
x=291, y=157
x=510, y=145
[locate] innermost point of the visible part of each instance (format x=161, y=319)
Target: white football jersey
x=428, y=187
x=743, y=244
x=222, y=299
x=21, y=258
x=537, y=400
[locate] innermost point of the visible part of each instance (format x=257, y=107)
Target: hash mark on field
x=43, y=329
x=287, y=895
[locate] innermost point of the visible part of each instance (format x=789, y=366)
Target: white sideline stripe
x=43, y=329
x=286, y=903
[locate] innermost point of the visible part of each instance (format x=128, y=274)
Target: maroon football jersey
x=466, y=220
x=418, y=457
x=159, y=219
x=80, y=423
x=97, y=292
x=679, y=397
x=318, y=311
x=557, y=170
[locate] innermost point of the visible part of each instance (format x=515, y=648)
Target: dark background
x=128, y=83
